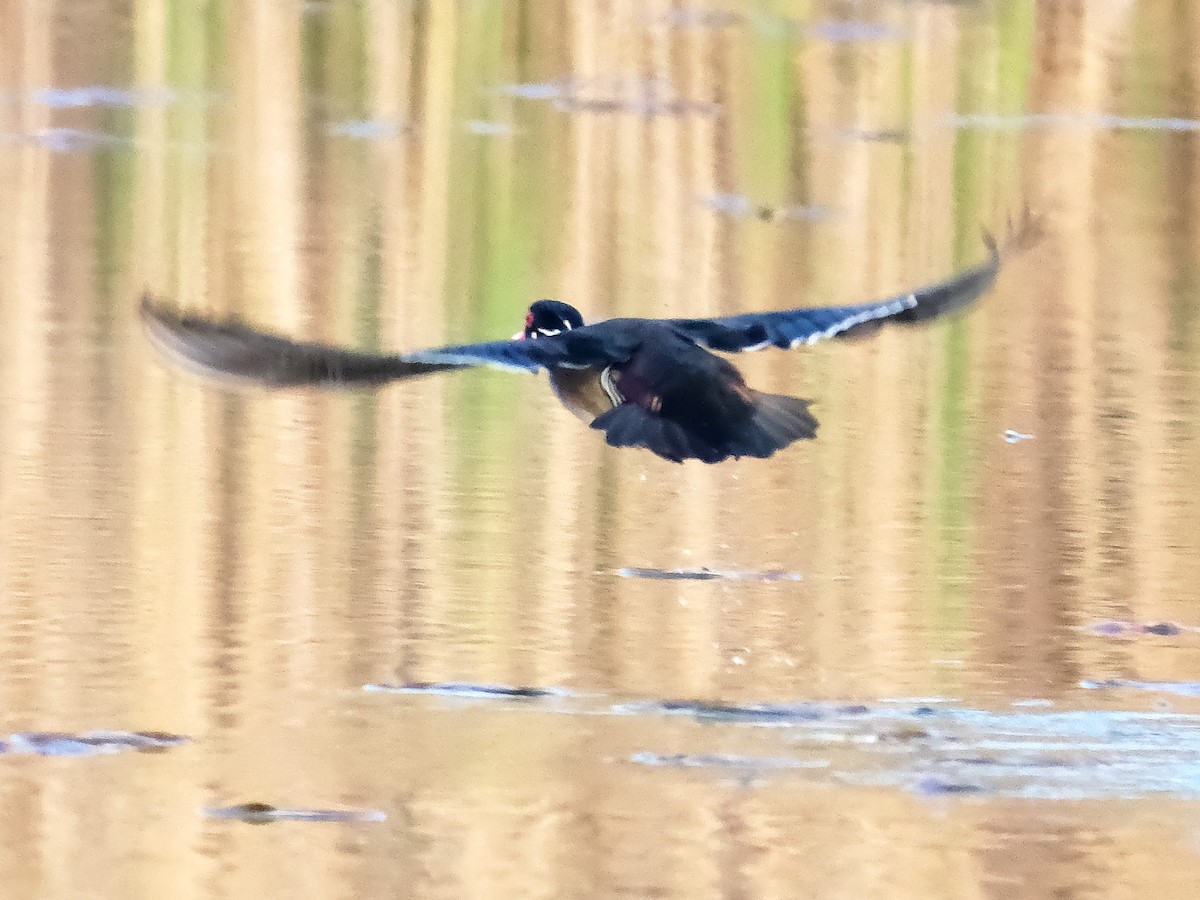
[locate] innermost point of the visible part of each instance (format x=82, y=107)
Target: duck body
x=676, y=399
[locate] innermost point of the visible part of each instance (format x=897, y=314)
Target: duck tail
x=775, y=422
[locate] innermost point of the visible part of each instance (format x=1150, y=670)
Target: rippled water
x=263, y=644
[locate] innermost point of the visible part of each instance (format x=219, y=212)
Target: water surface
x=917, y=657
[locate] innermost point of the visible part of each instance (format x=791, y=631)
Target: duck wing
x=231, y=352
x=793, y=327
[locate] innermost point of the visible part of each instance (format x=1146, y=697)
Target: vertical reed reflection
x=235, y=567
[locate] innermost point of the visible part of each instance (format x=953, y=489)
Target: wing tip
x=989, y=241
x=1020, y=235
x=151, y=309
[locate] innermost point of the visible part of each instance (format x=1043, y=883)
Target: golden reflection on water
x=236, y=567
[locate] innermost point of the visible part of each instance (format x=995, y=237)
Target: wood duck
x=652, y=383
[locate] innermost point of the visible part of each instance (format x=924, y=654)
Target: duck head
x=549, y=317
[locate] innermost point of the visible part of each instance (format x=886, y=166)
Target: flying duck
x=652, y=383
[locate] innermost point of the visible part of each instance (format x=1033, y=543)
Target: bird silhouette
x=652, y=383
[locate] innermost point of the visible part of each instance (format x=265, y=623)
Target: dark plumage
x=649, y=383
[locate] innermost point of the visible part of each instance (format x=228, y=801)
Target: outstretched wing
x=790, y=328
x=232, y=352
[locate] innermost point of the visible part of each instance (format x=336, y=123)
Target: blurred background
x=392, y=174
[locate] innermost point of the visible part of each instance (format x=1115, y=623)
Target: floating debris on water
x=879, y=135
x=962, y=752
x=1072, y=120
x=101, y=95
x=1120, y=628
x=865, y=135
x=648, y=107
x=369, y=129
x=91, y=743
x=1015, y=437
x=1180, y=688
x=934, y=786
x=668, y=574
x=910, y=745
x=489, y=129
x=1047, y=755
x=541, y=90
x=598, y=704
x=724, y=761
x=66, y=140
x=920, y=706
x=642, y=97
x=685, y=17
x=741, y=206
x=1162, y=629
x=739, y=712
x=465, y=690
x=742, y=712
x=262, y=813
x=704, y=573
x=853, y=32
x=1073, y=755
